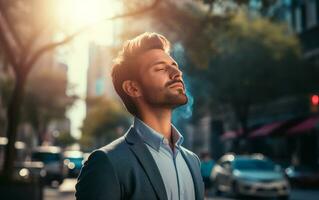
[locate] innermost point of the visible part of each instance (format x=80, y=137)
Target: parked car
x=29, y=170
x=52, y=158
x=73, y=161
x=303, y=176
x=21, y=150
x=250, y=175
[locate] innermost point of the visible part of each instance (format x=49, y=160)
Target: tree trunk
x=243, y=146
x=242, y=112
x=13, y=114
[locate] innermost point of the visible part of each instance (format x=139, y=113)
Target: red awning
x=266, y=129
x=304, y=126
x=231, y=134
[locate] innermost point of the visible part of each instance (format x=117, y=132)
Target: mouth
x=178, y=84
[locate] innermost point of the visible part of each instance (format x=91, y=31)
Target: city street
x=233, y=82
x=66, y=192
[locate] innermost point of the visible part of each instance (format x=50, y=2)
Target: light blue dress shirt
x=175, y=173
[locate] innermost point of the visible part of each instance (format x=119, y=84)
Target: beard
x=165, y=97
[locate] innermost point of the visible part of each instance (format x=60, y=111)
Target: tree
x=257, y=62
x=40, y=109
x=22, y=25
x=104, y=122
x=64, y=139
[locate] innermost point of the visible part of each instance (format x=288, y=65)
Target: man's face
x=160, y=80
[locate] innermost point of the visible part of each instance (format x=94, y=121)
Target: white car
x=254, y=175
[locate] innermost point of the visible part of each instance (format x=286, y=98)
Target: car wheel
x=217, y=192
x=235, y=190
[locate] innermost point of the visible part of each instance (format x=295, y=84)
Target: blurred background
x=250, y=67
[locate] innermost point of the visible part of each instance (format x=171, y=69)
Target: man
x=148, y=162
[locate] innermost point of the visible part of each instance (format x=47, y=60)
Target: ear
x=131, y=88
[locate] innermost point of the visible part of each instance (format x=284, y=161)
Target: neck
x=158, y=119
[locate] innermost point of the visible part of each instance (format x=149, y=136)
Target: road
x=66, y=192
x=296, y=194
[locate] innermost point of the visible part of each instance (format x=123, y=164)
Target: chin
x=180, y=100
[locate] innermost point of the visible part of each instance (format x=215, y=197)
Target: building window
x=311, y=13
x=303, y=17
x=298, y=23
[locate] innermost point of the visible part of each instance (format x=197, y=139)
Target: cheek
x=154, y=80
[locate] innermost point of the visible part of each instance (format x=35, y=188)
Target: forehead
x=149, y=57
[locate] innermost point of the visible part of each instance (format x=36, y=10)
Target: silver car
x=253, y=175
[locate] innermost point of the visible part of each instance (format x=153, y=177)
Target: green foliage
x=105, y=120
x=45, y=96
x=65, y=139
x=256, y=61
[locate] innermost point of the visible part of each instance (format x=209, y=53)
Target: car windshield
x=253, y=164
x=46, y=157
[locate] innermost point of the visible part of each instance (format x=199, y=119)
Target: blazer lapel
x=198, y=185
x=145, y=158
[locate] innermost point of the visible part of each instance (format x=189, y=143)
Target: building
x=305, y=22
x=99, y=80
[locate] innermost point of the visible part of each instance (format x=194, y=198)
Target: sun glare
x=76, y=14
x=82, y=12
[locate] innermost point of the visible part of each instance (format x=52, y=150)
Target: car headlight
x=66, y=162
x=71, y=165
x=24, y=173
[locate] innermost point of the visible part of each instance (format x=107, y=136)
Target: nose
x=175, y=73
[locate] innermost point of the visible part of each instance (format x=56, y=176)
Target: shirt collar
x=177, y=137
x=154, y=138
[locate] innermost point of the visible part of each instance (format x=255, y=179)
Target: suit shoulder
x=188, y=152
x=191, y=154
x=117, y=151
x=115, y=146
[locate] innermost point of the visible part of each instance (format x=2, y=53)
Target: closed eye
x=160, y=69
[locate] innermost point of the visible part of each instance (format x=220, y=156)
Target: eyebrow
x=163, y=62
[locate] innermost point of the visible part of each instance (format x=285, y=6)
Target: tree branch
x=69, y=38
x=29, y=44
x=10, y=28
x=5, y=40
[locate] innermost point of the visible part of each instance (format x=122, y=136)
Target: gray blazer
x=125, y=169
